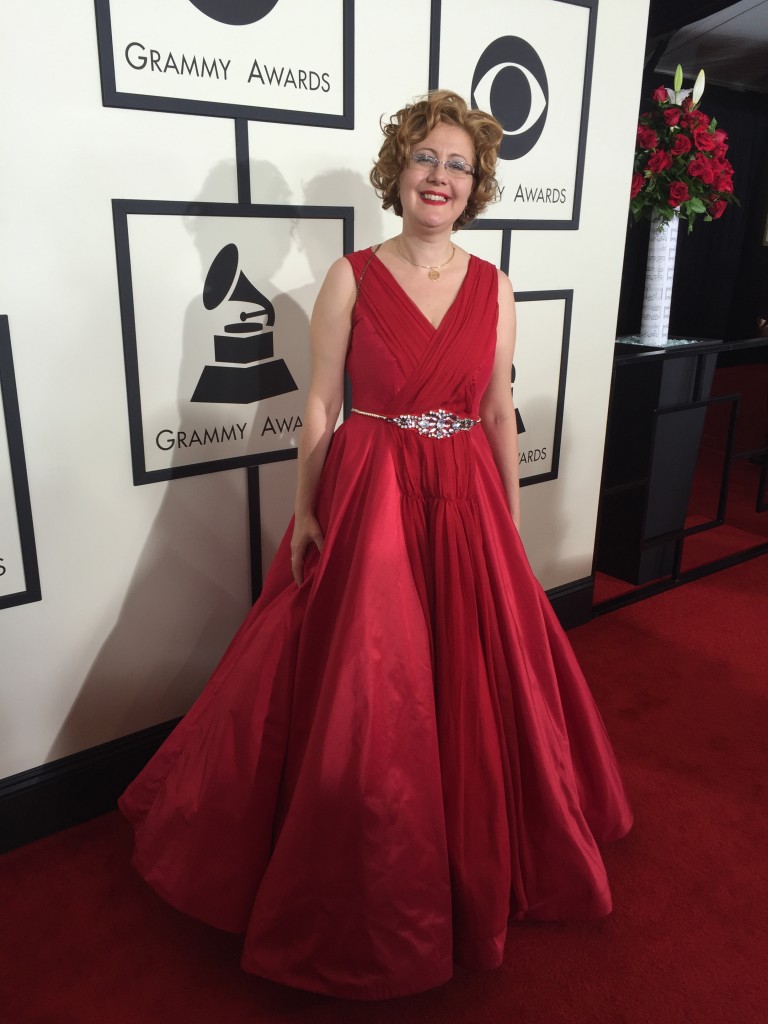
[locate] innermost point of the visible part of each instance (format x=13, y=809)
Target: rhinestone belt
x=435, y=423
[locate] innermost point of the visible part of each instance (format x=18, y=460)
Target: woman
x=398, y=752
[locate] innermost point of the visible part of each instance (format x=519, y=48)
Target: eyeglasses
x=455, y=167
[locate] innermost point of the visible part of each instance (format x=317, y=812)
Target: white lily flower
x=678, y=95
x=698, y=88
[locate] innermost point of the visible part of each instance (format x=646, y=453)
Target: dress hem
x=368, y=993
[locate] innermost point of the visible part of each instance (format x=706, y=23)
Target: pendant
x=434, y=274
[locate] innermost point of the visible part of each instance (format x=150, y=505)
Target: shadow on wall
x=180, y=611
x=352, y=189
x=178, y=615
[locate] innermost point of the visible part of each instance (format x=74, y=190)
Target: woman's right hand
x=306, y=531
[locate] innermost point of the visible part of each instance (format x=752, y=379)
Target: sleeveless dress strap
x=355, y=258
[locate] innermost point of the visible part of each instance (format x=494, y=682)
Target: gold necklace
x=434, y=272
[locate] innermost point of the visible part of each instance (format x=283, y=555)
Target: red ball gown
x=400, y=756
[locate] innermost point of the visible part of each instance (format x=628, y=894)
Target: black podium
x=657, y=411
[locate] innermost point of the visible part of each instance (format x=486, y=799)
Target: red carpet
x=682, y=683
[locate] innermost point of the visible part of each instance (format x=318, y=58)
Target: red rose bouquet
x=680, y=163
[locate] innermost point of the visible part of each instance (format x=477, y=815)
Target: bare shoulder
x=506, y=291
x=337, y=293
x=340, y=275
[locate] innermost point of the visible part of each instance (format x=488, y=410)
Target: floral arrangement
x=680, y=164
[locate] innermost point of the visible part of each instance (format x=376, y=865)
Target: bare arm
x=497, y=409
x=330, y=328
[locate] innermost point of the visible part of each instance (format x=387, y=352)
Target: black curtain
x=721, y=273
x=667, y=16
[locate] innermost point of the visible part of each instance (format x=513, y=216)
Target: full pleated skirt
x=394, y=760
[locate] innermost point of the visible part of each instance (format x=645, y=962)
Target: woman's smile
x=434, y=198
x=426, y=187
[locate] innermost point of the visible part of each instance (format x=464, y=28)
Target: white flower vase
x=659, y=274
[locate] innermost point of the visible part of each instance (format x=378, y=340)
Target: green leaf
x=697, y=206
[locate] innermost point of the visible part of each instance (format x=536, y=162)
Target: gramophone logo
x=245, y=369
x=510, y=81
x=235, y=12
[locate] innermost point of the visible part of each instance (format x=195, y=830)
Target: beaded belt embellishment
x=436, y=423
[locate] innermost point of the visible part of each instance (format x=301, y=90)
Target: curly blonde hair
x=413, y=123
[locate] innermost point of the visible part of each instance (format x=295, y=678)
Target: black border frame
x=497, y=224
x=19, y=479
x=565, y=294
x=676, y=577
x=176, y=105
x=122, y=209
x=719, y=519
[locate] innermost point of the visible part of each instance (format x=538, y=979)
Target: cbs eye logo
x=510, y=82
x=235, y=12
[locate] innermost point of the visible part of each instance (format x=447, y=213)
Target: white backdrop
x=142, y=586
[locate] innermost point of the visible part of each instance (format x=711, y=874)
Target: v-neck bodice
x=399, y=287
x=400, y=362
